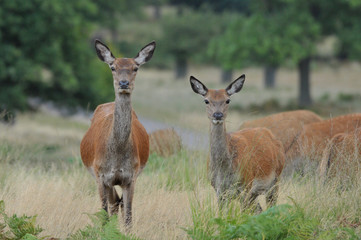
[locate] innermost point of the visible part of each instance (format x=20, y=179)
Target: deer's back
x=256, y=153
x=94, y=144
x=315, y=136
x=285, y=125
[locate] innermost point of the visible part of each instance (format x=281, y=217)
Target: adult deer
x=250, y=160
x=312, y=140
x=285, y=126
x=116, y=146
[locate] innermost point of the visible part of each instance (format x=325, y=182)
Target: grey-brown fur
x=117, y=169
x=220, y=165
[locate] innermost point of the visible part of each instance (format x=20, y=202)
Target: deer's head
x=217, y=101
x=124, y=70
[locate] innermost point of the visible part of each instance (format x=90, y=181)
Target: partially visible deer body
x=250, y=160
x=116, y=146
x=313, y=139
x=342, y=155
x=285, y=126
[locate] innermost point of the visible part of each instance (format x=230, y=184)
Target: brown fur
x=342, y=155
x=93, y=145
x=116, y=146
x=249, y=160
x=285, y=125
x=314, y=137
x=258, y=152
x=165, y=142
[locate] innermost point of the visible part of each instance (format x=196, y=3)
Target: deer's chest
x=222, y=176
x=118, y=167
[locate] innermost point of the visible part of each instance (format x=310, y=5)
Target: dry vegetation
x=164, y=142
x=41, y=171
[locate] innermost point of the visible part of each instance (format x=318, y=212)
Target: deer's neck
x=122, y=120
x=220, y=156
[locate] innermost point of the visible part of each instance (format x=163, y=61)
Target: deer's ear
x=198, y=87
x=103, y=52
x=145, y=54
x=236, y=85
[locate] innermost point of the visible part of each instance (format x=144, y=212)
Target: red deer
x=285, y=126
x=342, y=155
x=249, y=160
x=313, y=139
x=115, y=148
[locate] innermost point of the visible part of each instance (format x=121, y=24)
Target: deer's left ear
x=236, y=85
x=145, y=54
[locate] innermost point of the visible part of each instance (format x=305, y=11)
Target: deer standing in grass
x=312, y=140
x=115, y=148
x=250, y=160
x=342, y=155
x=285, y=126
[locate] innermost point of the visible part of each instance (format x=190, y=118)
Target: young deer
x=250, y=160
x=116, y=146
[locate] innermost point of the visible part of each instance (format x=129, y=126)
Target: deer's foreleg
x=128, y=193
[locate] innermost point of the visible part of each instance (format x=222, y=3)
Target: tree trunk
x=226, y=75
x=269, y=76
x=157, y=12
x=304, y=97
x=180, y=68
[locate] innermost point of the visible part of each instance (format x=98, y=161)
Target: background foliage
x=47, y=47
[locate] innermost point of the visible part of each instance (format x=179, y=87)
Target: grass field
x=41, y=172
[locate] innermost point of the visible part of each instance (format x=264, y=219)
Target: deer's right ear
x=198, y=86
x=103, y=52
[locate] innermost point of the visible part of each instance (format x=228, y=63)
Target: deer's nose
x=124, y=84
x=218, y=115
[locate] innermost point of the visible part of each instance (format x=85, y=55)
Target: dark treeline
x=47, y=45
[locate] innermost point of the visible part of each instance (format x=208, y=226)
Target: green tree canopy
x=267, y=39
x=46, y=52
x=187, y=36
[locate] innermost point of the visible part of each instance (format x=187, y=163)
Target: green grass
x=182, y=171
x=279, y=222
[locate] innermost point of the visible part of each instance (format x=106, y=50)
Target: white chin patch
x=123, y=90
x=217, y=121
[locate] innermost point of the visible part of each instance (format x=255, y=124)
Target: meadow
x=41, y=171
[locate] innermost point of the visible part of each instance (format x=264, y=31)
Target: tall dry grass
x=41, y=174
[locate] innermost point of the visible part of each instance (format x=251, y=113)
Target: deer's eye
x=135, y=69
x=206, y=101
x=112, y=68
x=228, y=101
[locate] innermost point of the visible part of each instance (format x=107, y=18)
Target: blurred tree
x=227, y=9
x=265, y=39
x=156, y=4
x=342, y=19
x=187, y=37
x=215, y=5
x=45, y=53
x=110, y=13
